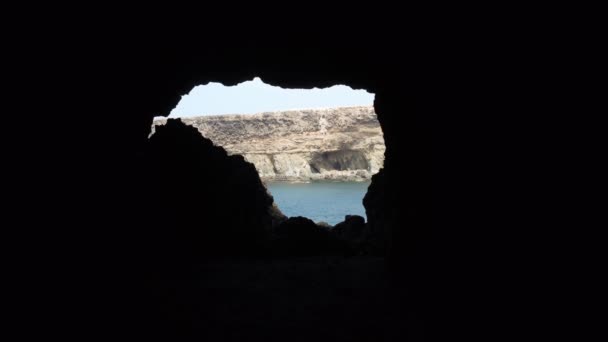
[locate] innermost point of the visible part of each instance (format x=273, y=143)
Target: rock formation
x=231, y=215
x=300, y=236
x=322, y=144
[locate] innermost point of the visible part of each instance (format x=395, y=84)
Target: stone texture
x=343, y=143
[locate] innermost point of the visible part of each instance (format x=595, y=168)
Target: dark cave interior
x=462, y=198
x=143, y=265
x=230, y=216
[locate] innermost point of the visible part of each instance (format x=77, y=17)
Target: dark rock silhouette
x=194, y=177
x=376, y=209
x=240, y=217
x=276, y=215
x=361, y=236
x=324, y=224
x=300, y=236
x=351, y=228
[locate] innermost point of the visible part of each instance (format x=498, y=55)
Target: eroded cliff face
x=343, y=143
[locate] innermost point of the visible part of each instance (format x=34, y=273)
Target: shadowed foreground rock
x=351, y=230
x=240, y=217
x=323, y=298
x=212, y=203
x=379, y=218
x=300, y=236
x=101, y=193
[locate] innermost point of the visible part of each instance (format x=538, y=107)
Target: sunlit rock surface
x=343, y=143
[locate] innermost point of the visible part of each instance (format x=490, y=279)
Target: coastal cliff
x=343, y=144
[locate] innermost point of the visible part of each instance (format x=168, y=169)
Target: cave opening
x=139, y=232
x=315, y=150
x=218, y=204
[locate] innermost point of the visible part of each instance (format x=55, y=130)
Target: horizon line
x=160, y=117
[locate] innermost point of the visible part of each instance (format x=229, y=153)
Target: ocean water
x=320, y=201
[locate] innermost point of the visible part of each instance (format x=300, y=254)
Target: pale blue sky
x=256, y=97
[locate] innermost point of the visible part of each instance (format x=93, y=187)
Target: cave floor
x=298, y=299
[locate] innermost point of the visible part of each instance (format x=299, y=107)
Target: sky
x=256, y=96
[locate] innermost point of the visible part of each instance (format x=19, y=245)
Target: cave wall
x=152, y=83
x=404, y=213
x=81, y=191
x=217, y=204
x=122, y=82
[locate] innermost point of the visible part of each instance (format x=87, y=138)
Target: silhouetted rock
x=300, y=236
x=276, y=215
x=324, y=224
x=351, y=228
x=352, y=231
x=212, y=203
x=376, y=210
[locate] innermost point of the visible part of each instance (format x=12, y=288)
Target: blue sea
x=320, y=201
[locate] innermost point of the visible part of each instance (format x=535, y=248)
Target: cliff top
x=286, y=113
